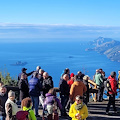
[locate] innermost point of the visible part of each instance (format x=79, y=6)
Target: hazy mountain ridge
x=107, y=46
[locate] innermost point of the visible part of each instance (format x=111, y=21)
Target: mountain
x=107, y=46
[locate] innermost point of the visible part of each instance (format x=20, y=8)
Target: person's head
x=23, y=76
x=38, y=68
x=67, y=71
x=97, y=70
x=86, y=77
x=52, y=91
x=24, y=70
x=76, y=78
x=103, y=73
x=72, y=76
x=119, y=72
x=78, y=99
x=113, y=74
x=66, y=77
x=26, y=102
x=11, y=95
x=3, y=89
x=79, y=73
x=41, y=71
x=35, y=74
x=45, y=75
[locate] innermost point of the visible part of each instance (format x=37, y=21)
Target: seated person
x=26, y=105
x=11, y=107
x=78, y=110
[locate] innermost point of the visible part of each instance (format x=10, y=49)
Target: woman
x=27, y=106
x=78, y=110
x=11, y=107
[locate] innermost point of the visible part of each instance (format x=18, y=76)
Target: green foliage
x=7, y=79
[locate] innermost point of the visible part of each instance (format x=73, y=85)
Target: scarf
x=79, y=106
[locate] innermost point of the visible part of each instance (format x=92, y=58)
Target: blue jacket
x=35, y=87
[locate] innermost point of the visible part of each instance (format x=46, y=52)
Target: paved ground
x=97, y=111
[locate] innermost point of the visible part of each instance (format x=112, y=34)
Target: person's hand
x=78, y=116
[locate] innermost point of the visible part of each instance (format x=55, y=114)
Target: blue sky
x=79, y=12
x=59, y=18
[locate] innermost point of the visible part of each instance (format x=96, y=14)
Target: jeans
x=35, y=101
x=100, y=94
x=64, y=100
x=111, y=102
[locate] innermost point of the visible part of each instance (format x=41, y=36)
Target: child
x=11, y=107
x=78, y=110
x=27, y=106
x=51, y=104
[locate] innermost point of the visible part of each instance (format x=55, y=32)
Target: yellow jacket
x=83, y=112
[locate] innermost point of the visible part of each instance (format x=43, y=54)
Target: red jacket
x=113, y=84
x=70, y=82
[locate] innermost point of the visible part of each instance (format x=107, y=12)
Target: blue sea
x=54, y=57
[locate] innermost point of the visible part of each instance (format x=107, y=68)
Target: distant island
x=107, y=46
x=19, y=63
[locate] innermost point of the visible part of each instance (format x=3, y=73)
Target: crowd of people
x=39, y=90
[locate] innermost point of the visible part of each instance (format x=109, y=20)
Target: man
x=80, y=75
x=3, y=99
x=24, y=71
x=77, y=88
x=64, y=93
x=34, y=89
x=99, y=81
x=112, y=92
x=47, y=83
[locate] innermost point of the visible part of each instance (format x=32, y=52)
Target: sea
x=54, y=57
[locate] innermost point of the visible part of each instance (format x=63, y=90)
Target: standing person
x=119, y=82
x=11, y=107
x=99, y=81
x=3, y=99
x=47, y=83
x=78, y=110
x=64, y=93
x=23, y=86
x=26, y=105
x=112, y=92
x=34, y=89
x=51, y=104
x=24, y=71
x=37, y=69
x=86, y=94
x=77, y=88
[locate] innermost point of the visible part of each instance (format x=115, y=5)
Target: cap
x=23, y=69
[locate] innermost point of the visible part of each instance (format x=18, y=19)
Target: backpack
x=22, y=115
x=108, y=85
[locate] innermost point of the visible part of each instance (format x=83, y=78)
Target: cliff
x=107, y=46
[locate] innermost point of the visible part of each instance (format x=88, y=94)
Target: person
x=66, y=71
x=64, y=93
x=52, y=104
x=3, y=99
x=78, y=110
x=77, y=88
x=99, y=81
x=24, y=71
x=26, y=105
x=80, y=75
x=34, y=90
x=86, y=94
x=47, y=83
x=70, y=82
x=11, y=107
x=119, y=82
x=23, y=86
x=112, y=92
x=37, y=69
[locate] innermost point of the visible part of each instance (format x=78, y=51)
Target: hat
x=78, y=97
x=23, y=69
x=72, y=75
x=11, y=93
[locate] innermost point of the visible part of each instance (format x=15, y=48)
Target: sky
x=58, y=13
